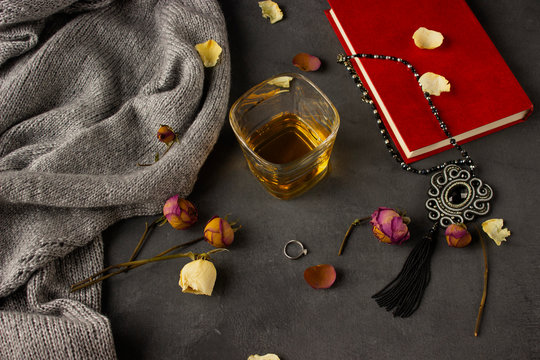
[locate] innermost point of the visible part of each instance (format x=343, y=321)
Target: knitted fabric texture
x=84, y=86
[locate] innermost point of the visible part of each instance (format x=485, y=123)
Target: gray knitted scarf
x=84, y=86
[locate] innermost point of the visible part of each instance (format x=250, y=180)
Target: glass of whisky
x=286, y=128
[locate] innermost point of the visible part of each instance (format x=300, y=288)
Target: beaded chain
x=467, y=160
x=404, y=293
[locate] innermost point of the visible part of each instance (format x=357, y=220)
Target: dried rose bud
x=389, y=227
x=218, y=232
x=306, y=62
x=165, y=134
x=457, y=235
x=320, y=276
x=198, y=277
x=180, y=213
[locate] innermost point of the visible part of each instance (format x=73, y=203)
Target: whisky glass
x=286, y=128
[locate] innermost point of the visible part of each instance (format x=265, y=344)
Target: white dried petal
x=494, y=229
x=263, y=357
x=427, y=39
x=209, y=52
x=271, y=10
x=281, y=81
x=198, y=277
x=434, y=84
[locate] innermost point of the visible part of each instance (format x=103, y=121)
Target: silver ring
x=303, y=251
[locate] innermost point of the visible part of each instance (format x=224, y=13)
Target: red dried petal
x=320, y=276
x=306, y=62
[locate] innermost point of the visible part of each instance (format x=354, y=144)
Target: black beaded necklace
x=456, y=195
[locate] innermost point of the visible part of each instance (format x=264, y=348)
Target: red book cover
x=484, y=97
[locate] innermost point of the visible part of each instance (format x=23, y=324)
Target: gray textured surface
x=84, y=85
x=262, y=304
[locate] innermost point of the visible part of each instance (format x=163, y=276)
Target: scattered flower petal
x=165, y=134
x=198, y=277
x=427, y=39
x=389, y=227
x=263, y=357
x=271, y=10
x=434, y=84
x=281, y=81
x=218, y=232
x=494, y=229
x=209, y=52
x=180, y=213
x=306, y=62
x=320, y=276
x=457, y=235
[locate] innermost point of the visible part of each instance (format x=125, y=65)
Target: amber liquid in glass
x=282, y=140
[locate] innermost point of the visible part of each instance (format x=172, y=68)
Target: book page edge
x=468, y=134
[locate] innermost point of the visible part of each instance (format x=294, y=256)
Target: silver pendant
x=456, y=196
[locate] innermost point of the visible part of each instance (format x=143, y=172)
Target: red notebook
x=484, y=97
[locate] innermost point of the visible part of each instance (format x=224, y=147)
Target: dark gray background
x=261, y=303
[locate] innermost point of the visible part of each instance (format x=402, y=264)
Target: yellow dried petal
x=263, y=357
x=198, y=277
x=434, y=84
x=209, y=52
x=281, y=81
x=427, y=39
x=271, y=10
x=494, y=229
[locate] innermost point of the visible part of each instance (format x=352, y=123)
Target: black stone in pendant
x=457, y=196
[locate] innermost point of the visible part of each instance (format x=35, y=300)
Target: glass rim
x=324, y=144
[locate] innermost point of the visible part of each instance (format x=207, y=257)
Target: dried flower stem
x=354, y=223
x=157, y=157
x=95, y=278
x=145, y=235
x=484, y=293
x=169, y=146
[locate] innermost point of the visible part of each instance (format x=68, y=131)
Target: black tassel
x=405, y=292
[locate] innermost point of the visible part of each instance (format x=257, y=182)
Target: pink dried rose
x=165, y=134
x=306, y=62
x=218, y=232
x=457, y=235
x=389, y=227
x=320, y=276
x=180, y=213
